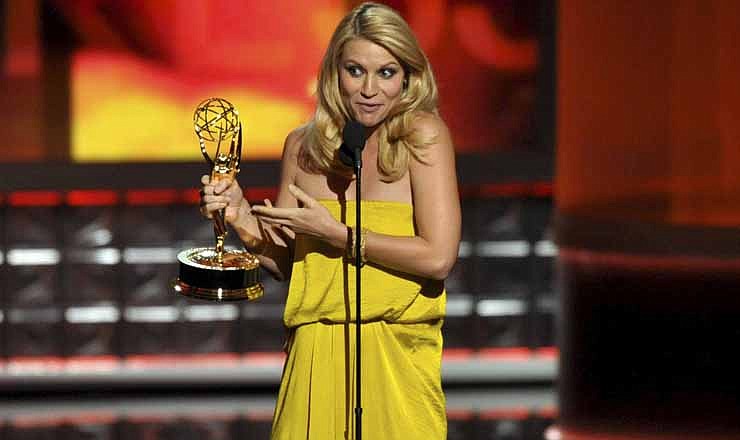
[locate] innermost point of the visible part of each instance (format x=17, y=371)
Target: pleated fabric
x=401, y=392
x=402, y=317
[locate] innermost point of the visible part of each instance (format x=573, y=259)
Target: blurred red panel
x=152, y=197
x=92, y=198
x=35, y=198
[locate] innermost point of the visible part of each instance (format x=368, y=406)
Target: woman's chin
x=369, y=120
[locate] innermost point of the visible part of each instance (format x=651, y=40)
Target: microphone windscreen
x=353, y=135
x=346, y=156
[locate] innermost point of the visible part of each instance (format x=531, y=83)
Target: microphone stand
x=358, y=265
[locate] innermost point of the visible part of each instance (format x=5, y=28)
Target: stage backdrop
x=117, y=81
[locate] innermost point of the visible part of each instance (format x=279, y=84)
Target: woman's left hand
x=312, y=219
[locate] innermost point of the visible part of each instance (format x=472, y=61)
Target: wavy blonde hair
x=397, y=139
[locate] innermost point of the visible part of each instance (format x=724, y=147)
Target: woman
x=375, y=73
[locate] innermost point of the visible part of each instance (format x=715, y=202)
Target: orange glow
x=137, y=105
x=128, y=110
x=23, y=53
x=484, y=40
x=142, y=67
x=649, y=112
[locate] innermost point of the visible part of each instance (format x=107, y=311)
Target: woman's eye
x=354, y=71
x=387, y=72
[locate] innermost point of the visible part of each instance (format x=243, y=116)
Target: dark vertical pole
x=547, y=78
x=358, y=317
x=3, y=36
x=58, y=44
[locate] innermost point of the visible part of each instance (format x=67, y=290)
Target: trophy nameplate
x=217, y=273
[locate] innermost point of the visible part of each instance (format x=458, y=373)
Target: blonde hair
x=397, y=139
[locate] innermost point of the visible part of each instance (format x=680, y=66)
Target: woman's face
x=371, y=81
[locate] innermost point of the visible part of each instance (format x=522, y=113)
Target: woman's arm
x=433, y=251
x=272, y=244
x=430, y=254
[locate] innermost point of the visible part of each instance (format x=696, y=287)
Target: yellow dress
x=402, y=317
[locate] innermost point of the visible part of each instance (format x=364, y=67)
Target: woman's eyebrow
x=385, y=64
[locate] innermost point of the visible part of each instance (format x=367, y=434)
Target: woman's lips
x=368, y=108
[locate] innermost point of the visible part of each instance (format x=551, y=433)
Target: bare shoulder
x=428, y=123
x=291, y=151
x=294, y=141
x=433, y=131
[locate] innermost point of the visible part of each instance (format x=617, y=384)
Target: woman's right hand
x=223, y=194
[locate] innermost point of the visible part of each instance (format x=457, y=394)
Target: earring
x=406, y=83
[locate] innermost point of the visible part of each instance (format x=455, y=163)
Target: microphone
x=353, y=141
x=350, y=153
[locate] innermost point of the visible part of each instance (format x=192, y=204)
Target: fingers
x=221, y=191
x=204, y=211
x=276, y=221
x=268, y=204
x=213, y=203
x=222, y=185
x=208, y=195
x=217, y=186
x=207, y=188
x=302, y=197
x=256, y=208
x=267, y=211
x=217, y=194
x=213, y=200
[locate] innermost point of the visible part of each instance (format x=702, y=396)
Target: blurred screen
x=117, y=81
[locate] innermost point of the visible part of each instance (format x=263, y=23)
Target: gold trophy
x=219, y=274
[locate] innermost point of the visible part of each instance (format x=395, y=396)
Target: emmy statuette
x=219, y=274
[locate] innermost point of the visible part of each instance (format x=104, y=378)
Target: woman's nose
x=368, y=87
